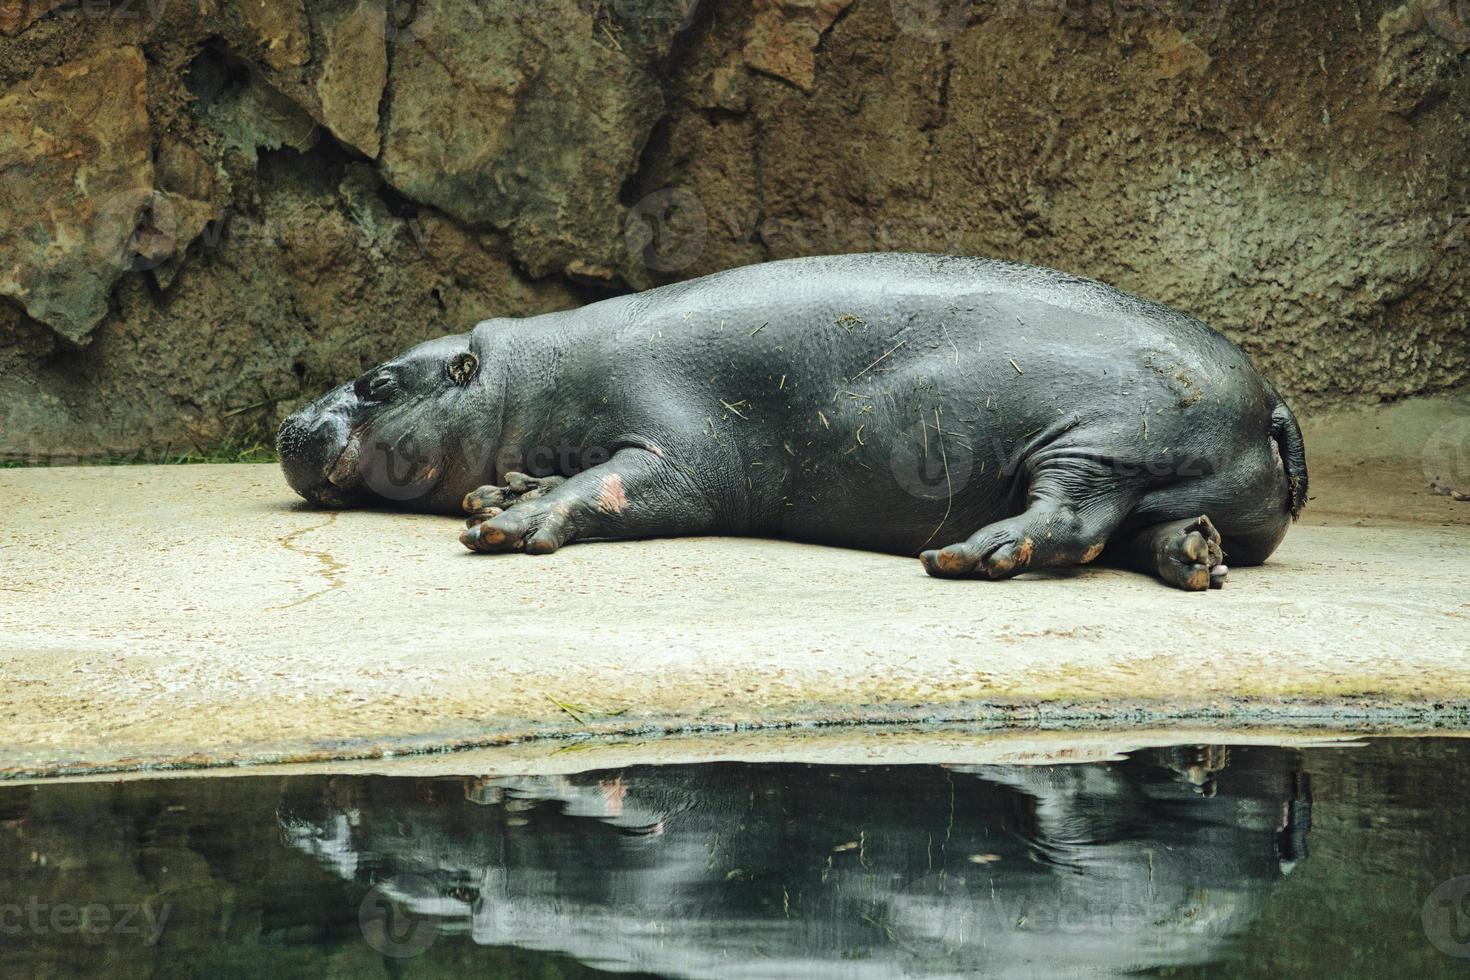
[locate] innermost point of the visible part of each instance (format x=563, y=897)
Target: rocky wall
x=211, y=210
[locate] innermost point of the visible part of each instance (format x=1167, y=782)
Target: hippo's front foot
x=492, y=501
x=636, y=494
x=535, y=527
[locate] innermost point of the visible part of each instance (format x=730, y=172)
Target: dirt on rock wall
x=210, y=211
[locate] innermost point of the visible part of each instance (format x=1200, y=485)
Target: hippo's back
x=839, y=313
x=910, y=277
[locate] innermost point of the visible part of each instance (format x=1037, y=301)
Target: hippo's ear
x=462, y=368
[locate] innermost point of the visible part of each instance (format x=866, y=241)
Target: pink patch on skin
x=612, y=500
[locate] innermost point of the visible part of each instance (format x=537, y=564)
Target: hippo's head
x=417, y=432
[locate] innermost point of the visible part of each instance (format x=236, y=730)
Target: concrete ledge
x=881, y=745
x=199, y=616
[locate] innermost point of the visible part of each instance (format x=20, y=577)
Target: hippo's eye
x=462, y=368
x=379, y=387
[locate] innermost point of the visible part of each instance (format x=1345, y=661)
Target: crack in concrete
x=331, y=569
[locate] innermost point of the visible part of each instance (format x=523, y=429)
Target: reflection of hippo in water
x=989, y=417
x=731, y=870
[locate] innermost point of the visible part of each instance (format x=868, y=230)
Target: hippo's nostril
x=290, y=435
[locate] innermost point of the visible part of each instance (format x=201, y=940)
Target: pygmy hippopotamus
x=988, y=417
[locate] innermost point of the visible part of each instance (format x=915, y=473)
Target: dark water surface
x=1342, y=861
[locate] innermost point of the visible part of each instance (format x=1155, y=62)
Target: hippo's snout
x=312, y=444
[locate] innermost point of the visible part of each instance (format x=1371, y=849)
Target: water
x=1199, y=861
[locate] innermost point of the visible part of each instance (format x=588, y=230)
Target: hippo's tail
x=1288, y=436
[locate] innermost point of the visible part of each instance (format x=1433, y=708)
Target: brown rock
x=249, y=112
x=354, y=72
x=281, y=29
x=528, y=124
x=728, y=89
x=591, y=275
x=1175, y=54
x=17, y=15
x=1419, y=47
x=182, y=170
x=166, y=227
x=78, y=173
x=1447, y=19
x=1336, y=253
x=784, y=38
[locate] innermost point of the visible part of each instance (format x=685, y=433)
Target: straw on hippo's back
x=989, y=417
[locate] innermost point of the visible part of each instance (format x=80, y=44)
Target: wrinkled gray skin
x=989, y=417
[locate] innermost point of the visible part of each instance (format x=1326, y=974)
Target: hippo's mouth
x=343, y=483
x=390, y=472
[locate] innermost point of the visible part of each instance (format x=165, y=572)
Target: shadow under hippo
x=726, y=870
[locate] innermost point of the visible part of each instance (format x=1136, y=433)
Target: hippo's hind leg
x=636, y=494
x=1253, y=502
x=1186, y=554
x=1073, y=509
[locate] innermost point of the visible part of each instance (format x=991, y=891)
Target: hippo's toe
x=1192, y=558
x=537, y=528
x=519, y=488
x=952, y=562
